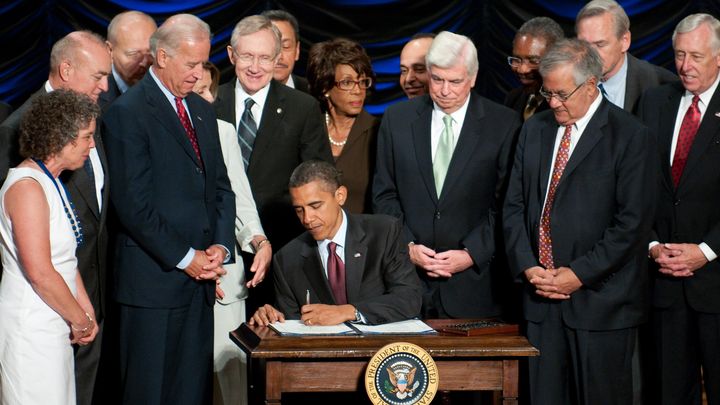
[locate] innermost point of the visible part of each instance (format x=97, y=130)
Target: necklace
x=332, y=141
x=74, y=221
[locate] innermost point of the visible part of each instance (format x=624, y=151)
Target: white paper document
x=296, y=327
x=409, y=327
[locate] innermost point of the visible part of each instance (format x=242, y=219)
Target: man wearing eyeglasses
x=576, y=218
x=441, y=167
x=278, y=127
x=605, y=25
x=531, y=42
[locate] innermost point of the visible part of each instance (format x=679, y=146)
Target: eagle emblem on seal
x=402, y=379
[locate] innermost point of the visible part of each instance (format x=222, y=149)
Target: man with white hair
x=176, y=214
x=606, y=26
x=442, y=163
x=685, y=118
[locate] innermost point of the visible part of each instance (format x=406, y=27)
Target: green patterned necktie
x=443, y=154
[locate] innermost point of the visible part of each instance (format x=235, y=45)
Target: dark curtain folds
x=29, y=28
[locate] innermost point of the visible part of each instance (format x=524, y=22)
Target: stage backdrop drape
x=28, y=29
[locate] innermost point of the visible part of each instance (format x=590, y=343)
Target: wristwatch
x=357, y=316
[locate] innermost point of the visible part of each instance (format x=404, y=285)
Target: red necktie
x=545, y=240
x=336, y=275
x=688, y=129
x=189, y=130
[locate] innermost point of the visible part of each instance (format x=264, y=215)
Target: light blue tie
x=443, y=154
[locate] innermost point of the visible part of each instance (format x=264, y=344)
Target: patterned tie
x=189, y=130
x=336, y=275
x=688, y=129
x=545, y=240
x=443, y=154
x=532, y=104
x=247, y=130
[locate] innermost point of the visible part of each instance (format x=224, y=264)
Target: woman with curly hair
x=339, y=74
x=44, y=307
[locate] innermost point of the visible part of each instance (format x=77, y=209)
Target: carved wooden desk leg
x=511, y=380
x=273, y=382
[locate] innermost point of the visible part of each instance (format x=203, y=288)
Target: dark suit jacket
x=517, y=99
x=600, y=218
x=641, y=76
x=464, y=216
x=10, y=137
x=291, y=131
x=301, y=83
x=165, y=201
x=688, y=213
x=5, y=110
x=107, y=97
x=357, y=163
x=381, y=281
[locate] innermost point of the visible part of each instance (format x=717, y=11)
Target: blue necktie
x=247, y=130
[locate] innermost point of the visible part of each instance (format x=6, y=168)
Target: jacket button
x=676, y=203
x=437, y=214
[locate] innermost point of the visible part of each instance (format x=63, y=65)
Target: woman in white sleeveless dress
x=43, y=304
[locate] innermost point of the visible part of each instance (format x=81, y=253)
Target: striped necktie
x=247, y=131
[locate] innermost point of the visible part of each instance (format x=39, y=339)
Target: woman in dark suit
x=339, y=74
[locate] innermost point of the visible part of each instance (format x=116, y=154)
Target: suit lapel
x=421, y=141
x=166, y=115
x=225, y=103
x=466, y=144
x=202, y=131
x=547, y=143
x=80, y=181
x=590, y=137
x=313, y=269
x=633, y=84
x=355, y=254
x=709, y=129
x=668, y=114
x=270, y=124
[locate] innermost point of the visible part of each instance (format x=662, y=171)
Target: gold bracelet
x=85, y=329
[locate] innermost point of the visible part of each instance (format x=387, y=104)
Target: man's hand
x=553, y=283
x=197, y=267
x=324, y=315
x=219, y=293
x=678, y=259
x=450, y=262
x=421, y=255
x=265, y=315
x=260, y=265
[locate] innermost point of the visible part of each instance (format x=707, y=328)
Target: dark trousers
x=685, y=341
x=166, y=354
x=580, y=367
x=87, y=359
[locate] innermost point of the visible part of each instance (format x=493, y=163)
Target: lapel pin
x=717, y=114
x=198, y=118
x=357, y=255
x=279, y=110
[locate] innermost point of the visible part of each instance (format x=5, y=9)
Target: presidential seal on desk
x=401, y=374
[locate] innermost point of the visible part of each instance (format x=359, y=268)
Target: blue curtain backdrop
x=28, y=29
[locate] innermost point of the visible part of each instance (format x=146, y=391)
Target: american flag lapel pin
x=357, y=254
x=279, y=110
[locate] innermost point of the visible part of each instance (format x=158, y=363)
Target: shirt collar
x=706, y=96
x=618, y=78
x=339, y=237
x=119, y=81
x=459, y=115
x=581, y=123
x=290, y=82
x=170, y=97
x=259, y=97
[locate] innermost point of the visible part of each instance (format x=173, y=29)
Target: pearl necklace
x=332, y=141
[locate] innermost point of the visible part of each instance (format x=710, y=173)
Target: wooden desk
x=313, y=363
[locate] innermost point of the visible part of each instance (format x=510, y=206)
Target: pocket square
x=717, y=114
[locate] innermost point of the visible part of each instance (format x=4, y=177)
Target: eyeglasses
x=347, y=84
x=516, y=62
x=559, y=96
x=248, y=59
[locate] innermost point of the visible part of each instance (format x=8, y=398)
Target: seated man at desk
x=345, y=267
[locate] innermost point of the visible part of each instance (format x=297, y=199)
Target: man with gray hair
x=686, y=239
x=176, y=213
x=128, y=39
x=531, y=42
x=79, y=62
x=442, y=163
x=576, y=218
x=604, y=24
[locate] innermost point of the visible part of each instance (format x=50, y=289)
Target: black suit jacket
x=641, y=76
x=5, y=110
x=107, y=97
x=291, y=131
x=517, y=99
x=600, y=218
x=688, y=213
x=464, y=215
x=166, y=202
x=10, y=137
x=301, y=83
x=381, y=281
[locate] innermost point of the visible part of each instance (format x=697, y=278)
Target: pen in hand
x=307, y=297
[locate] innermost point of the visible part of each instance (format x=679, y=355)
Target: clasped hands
x=678, y=259
x=555, y=284
x=311, y=315
x=443, y=264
